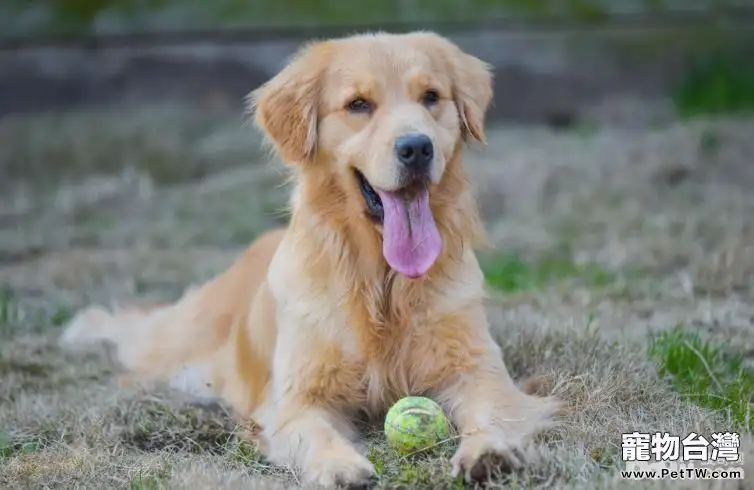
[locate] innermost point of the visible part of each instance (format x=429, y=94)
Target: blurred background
x=616, y=187
x=123, y=126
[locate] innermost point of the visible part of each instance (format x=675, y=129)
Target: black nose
x=415, y=151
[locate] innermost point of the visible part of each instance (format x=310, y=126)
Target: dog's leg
x=318, y=442
x=305, y=416
x=494, y=417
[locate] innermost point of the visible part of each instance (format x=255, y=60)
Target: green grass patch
x=15, y=318
x=705, y=373
x=244, y=452
x=423, y=470
x=15, y=442
x=8, y=311
x=6, y=305
x=716, y=84
x=511, y=273
x=140, y=482
x=9, y=447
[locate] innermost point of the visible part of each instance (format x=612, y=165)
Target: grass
x=706, y=374
x=148, y=483
x=15, y=318
x=716, y=84
x=174, y=144
x=511, y=273
x=194, y=430
x=66, y=421
x=7, y=312
x=9, y=448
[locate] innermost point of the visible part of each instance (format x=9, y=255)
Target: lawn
x=621, y=275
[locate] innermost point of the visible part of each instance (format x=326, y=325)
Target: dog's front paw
x=483, y=454
x=347, y=469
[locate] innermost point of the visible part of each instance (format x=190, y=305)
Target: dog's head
x=384, y=115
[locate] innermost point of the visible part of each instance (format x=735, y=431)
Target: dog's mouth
x=375, y=211
x=411, y=241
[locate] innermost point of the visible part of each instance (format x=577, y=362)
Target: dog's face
x=385, y=113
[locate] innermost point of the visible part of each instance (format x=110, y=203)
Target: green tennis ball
x=415, y=424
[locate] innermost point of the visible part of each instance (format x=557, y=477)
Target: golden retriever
x=373, y=292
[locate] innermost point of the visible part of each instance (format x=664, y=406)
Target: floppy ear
x=472, y=91
x=285, y=108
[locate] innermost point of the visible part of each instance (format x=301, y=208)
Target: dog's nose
x=415, y=151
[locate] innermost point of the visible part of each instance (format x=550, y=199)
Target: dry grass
x=666, y=214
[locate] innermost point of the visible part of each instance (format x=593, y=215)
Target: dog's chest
x=395, y=363
x=408, y=343
x=384, y=385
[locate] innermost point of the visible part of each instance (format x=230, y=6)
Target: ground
x=602, y=237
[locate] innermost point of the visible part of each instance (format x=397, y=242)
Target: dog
x=373, y=290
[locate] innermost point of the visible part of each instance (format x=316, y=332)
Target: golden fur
x=311, y=326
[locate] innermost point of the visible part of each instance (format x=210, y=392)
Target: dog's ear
x=472, y=92
x=471, y=79
x=285, y=108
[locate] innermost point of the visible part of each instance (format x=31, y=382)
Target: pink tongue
x=411, y=242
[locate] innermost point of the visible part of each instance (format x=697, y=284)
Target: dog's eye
x=359, y=105
x=430, y=97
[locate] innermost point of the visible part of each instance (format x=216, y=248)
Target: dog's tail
x=174, y=342
x=96, y=325
x=183, y=342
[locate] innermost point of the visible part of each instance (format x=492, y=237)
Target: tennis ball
x=414, y=424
